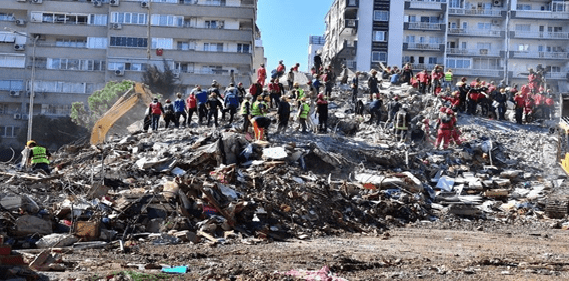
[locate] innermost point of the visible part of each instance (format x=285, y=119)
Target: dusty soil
x=503, y=253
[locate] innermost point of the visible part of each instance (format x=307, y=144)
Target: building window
x=213, y=47
x=129, y=18
x=12, y=85
x=484, y=25
x=71, y=43
x=10, y=61
x=163, y=43
x=523, y=7
x=185, y=46
x=129, y=42
x=523, y=47
x=97, y=43
x=379, y=36
x=381, y=15
x=523, y=27
x=75, y=64
x=379, y=56
x=243, y=48
x=432, y=60
x=483, y=45
x=131, y=66
x=458, y=63
x=214, y=24
x=167, y=20
x=6, y=16
x=8, y=132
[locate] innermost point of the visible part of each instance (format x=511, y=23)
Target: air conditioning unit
x=144, y=4
x=114, y=3
x=37, y=1
x=497, y=3
x=119, y=72
x=496, y=22
x=116, y=26
x=19, y=47
x=177, y=75
x=97, y=4
x=14, y=93
x=483, y=51
x=17, y=116
x=20, y=22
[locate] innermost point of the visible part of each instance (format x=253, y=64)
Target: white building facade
x=490, y=39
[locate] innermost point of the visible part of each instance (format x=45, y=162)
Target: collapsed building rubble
x=210, y=186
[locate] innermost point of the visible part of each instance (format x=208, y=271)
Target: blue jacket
x=395, y=78
x=231, y=98
x=179, y=105
x=201, y=97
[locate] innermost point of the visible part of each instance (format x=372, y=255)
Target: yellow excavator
x=134, y=102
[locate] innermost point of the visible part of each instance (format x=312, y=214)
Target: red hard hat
x=167, y=101
x=449, y=111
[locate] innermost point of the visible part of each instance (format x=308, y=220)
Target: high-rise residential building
x=81, y=45
x=490, y=39
x=315, y=44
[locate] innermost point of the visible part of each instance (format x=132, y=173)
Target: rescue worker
x=329, y=81
x=299, y=93
x=448, y=79
x=375, y=109
x=402, y=121
x=322, y=111
x=191, y=107
x=212, y=105
x=533, y=80
x=501, y=98
x=169, y=115
x=407, y=73
x=241, y=92
x=260, y=126
x=274, y=93
x=445, y=129
x=520, y=105
x=393, y=107
x=290, y=79
x=201, y=98
x=455, y=133
x=303, y=114
x=180, y=110
x=38, y=157
x=255, y=90
x=463, y=89
x=156, y=110
x=454, y=100
x=280, y=69
x=539, y=100
x=549, y=106
x=423, y=79
x=283, y=113
x=261, y=75
x=373, y=83
x=354, y=86
x=231, y=101
x=258, y=107
x=246, y=112
x=436, y=77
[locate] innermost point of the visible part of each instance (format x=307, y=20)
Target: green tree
x=98, y=103
x=161, y=82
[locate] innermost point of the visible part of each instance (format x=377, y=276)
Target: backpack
x=274, y=74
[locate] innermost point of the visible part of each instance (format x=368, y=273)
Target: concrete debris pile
x=216, y=186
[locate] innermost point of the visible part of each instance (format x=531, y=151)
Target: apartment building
x=490, y=39
x=82, y=44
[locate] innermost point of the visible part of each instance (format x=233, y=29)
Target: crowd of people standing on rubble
x=476, y=97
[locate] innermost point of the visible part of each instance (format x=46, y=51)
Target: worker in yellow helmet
x=38, y=156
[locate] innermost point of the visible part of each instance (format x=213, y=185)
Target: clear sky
x=285, y=27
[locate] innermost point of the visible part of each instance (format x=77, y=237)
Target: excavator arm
x=135, y=95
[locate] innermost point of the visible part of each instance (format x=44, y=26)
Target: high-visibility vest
x=300, y=94
x=305, y=110
x=39, y=155
x=448, y=76
x=401, y=123
x=255, y=110
x=245, y=106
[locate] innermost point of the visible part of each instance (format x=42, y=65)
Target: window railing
x=542, y=34
x=425, y=25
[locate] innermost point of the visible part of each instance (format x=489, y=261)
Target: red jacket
x=156, y=108
x=191, y=102
x=549, y=101
x=253, y=89
x=262, y=73
x=274, y=88
x=520, y=101
x=539, y=99
x=423, y=77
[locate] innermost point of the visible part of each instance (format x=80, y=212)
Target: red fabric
x=280, y=68
x=253, y=89
x=525, y=91
x=274, y=88
x=155, y=108
x=191, y=102
x=520, y=101
x=321, y=101
x=423, y=77
x=549, y=101
x=539, y=99
x=474, y=96
x=259, y=132
x=443, y=135
x=261, y=75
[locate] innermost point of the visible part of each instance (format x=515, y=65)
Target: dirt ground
x=407, y=253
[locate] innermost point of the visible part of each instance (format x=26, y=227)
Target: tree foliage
x=161, y=82
x=98, y=103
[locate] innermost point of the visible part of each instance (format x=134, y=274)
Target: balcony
x=456, y=11
x=350, y=4
x=541, y=35
x=474, y=52
x=350, y=23
x=539, y=55
x=423, y=26
x=410, y=46
x=347, y=50
x=538, y=14
x=490, y=73
x=483, y=13
x=475, y=33
x=423, y=5
x=421, y=66
x=557, y=75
